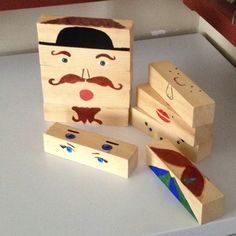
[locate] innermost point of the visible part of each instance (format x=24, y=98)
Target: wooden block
x=152, y=103
x=195, y=192
x=91, y=59
x=188, y=100
x=59, y=87
x=148, y=125
x=105, y=32
x=91, y=149
x=86, y=115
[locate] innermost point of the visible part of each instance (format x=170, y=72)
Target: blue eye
x=101, y=160
x=69, y=149
x=70, y=136
x=106, y=147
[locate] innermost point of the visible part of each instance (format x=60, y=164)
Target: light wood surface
x=122, y=37
x=188, y=100
x=101, y=152
x=155, y=106
x=65, y=113
x=148, y=125
x=85, y=58
x=204, y=199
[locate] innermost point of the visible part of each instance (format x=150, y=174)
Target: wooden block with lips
x=145, y=123
x=155, y=106
x=101, y=152
x=86, y=115
x=189, y=101
x=192, y=189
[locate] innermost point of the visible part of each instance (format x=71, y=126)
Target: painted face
x=104, y=146
x=181, y=81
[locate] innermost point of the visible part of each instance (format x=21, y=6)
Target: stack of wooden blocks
x=173, y=107
x=86, y=69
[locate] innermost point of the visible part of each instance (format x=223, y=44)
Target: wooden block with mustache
x=192, y=189
x=145, y=123
x=86, y=115
x=188, y=100
x=69, y=87
x=153, y=104
x=91, y=149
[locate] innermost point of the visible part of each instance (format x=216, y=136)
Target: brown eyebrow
x=106, y=55
x=61, y=52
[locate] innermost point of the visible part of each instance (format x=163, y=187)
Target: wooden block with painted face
x=86, y=115
x=62, y=86
x=91, y=149
x=91, y=59
x=193, y=190
x=155, y=106
x=85, y=61
x=145, y=123
x=189, y=101
x=111, y=33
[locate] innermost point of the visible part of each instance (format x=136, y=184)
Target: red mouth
x=163, y=115
x=177, y=82
x=86, y=94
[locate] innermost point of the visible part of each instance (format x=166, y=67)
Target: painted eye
x=102, y=63
x=106, y=147
x=64, y=60
x=101, y=160
x=69, y=149
x=70, y=136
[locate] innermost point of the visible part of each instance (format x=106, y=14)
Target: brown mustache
x=72, y=79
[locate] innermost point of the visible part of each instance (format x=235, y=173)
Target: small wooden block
x=148, y=125
x=153, y=104
x=86, y=115
x=188, y=100
x=84, y=58
x=120, y=31
x=106, y=93
x=195, y=192
x=91, y=149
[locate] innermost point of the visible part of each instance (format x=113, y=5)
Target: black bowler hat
x=84, y=38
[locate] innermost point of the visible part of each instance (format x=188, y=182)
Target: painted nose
x=85, y=74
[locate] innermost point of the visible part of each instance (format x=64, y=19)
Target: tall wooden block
x=194, y=191
x=86, y=115
x=91, y=149
x=188, y=100
x=148, y=125
x=85, y=61
x=155, y=106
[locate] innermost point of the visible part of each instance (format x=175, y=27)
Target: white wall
x=18, y=27
x=223, y=45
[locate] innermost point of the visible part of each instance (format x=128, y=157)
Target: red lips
x=163, y=115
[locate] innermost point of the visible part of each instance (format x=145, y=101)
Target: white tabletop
x=41, y=194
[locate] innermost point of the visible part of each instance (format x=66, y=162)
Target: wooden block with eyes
x=191, y=188
x=111, y=33
x=188, y=100
x=145, y=123
x=91, y=59
x=86, y=115
x=101, y=152
x=155, y=106
x=64, y=86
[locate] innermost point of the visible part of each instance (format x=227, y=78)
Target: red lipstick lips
x=163, y=115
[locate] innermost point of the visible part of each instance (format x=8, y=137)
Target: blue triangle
x=173, y=188
x=158, y=171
